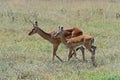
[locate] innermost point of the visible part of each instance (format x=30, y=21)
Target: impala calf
x=68, y=33
x=72, y=43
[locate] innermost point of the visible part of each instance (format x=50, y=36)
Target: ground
x=24, y=57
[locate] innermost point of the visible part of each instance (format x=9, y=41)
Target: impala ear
x=36, y=23
x=61, y=28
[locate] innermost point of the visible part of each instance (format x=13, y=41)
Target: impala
x=68, y=33
x=72, y=43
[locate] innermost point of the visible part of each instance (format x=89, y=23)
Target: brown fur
x=68, y=33
x=72, y=43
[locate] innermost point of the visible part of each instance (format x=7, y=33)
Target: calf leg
x=89, y=47
x=82, y=50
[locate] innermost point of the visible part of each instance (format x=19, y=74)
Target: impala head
x=60, y=32
x=35, y=28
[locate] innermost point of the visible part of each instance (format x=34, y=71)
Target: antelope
x=68, y=33
x=72, y=43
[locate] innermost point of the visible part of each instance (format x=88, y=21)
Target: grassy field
x=24, y=57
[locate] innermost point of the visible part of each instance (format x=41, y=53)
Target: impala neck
x=45, y=35
x=63, y=39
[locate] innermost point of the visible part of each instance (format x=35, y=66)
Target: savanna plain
x=24, y=57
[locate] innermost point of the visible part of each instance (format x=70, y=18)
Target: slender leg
x=93, y=55
x=93, y=60
x=82, y=50
x=55, y=47
x=93, y=52
x=70, y=54
x=54, y=52
x=89, y=47
x=74, y=53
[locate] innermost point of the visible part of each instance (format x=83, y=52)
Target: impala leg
x=55, y=47
x=54, y=52
x=74, y=53
x=93, y=55
x=82, y=50
x=70, y=54
x=89, y=47
x=93, y=52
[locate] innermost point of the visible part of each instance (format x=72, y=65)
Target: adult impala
x=83, y=40
x=68, y=33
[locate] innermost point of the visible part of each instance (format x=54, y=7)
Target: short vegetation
x=24, y=57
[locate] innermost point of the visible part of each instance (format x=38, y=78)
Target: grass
x=24, y=57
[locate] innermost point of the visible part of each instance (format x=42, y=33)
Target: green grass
x=24, y=57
